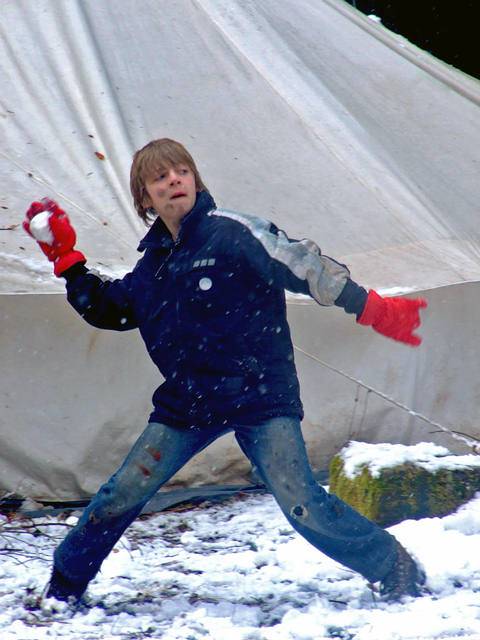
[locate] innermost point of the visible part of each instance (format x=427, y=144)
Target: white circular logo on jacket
x=205, y=284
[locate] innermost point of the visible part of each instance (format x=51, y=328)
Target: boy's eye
x=183, y=171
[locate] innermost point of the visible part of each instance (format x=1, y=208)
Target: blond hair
x=155, y=156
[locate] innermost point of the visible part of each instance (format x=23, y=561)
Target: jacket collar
x=159, y=236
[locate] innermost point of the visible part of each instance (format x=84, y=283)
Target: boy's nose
x=174, y=176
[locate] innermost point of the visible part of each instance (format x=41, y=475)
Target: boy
x=208, y=299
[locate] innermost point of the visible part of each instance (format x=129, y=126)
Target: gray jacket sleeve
x=296, y=265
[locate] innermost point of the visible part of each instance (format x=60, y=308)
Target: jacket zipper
x=169, y=255
x=159, y=271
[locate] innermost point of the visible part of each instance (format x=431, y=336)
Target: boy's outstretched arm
x=300, y=266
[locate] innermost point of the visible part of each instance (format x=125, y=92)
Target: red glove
x=57, y=238
x=395, y=318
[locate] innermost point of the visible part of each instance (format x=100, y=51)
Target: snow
x=429, y=456
x=236, y=570
x=395, y=291
x=300, y=298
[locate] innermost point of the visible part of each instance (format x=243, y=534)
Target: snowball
x=40, y=228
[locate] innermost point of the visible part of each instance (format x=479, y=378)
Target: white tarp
x=302, y=111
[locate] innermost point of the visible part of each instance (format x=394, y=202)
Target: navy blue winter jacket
x=211, y=310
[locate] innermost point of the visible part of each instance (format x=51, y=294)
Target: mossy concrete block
x=390, y=483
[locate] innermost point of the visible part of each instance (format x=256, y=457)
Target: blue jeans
x=276, y=448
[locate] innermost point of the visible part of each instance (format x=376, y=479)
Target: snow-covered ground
x=237, y=571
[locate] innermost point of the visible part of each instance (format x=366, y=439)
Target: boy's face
x=171, y=192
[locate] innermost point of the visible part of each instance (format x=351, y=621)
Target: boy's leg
x=277, y=450
x=156, y=456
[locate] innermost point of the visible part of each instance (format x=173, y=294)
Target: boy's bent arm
x=105, y=304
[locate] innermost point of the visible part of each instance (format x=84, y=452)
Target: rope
x=468, y=440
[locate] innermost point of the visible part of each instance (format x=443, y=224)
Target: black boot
x=61, y=588
x=405, y=578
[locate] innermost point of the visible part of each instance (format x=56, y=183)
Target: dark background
x=448, y=30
